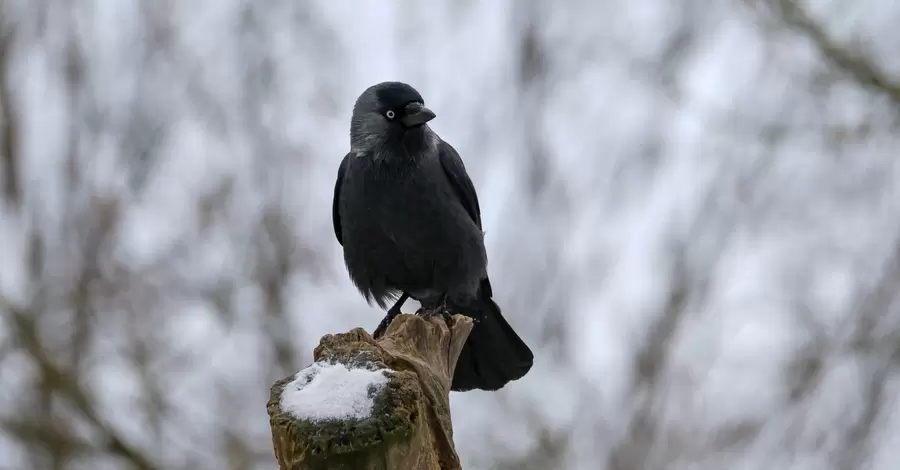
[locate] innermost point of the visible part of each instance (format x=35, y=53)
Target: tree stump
x=369, y=404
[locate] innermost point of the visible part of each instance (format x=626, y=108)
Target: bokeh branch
x=879, y=353
x=650, y=369
x=9, y=126
x=857, y=66
x=61, y=382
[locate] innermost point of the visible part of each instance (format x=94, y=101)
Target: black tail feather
x=494, y=354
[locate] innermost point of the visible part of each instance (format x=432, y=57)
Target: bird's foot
x=385, y=322
x=439, y=310
x=382, y=326
x=391, y=315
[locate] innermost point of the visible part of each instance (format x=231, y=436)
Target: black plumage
x=407, y=216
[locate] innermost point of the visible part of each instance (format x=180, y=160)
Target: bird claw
x=385, y=323
x=440, y=310
x=382, y=327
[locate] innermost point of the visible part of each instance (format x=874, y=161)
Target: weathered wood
x=409, y=427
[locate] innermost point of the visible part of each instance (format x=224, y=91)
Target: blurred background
x=691, y=213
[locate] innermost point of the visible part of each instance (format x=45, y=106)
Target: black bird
x=407, y=216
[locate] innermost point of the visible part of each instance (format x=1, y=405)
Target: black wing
x=459, y=179
x=335, y=204
x=465, y=191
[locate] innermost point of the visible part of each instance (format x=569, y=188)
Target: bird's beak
x=415, y=114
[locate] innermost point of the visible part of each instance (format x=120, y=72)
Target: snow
x=326, y=392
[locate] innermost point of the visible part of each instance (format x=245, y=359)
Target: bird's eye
x=390, y=114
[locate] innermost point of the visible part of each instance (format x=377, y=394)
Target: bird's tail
x=493, y=354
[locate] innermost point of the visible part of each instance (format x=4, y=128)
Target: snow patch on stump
x=327, y=392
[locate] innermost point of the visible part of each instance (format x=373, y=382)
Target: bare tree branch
x=9, y=125
x=879, y=354
x=68, y=386
x=649, y=369
x=859, y=68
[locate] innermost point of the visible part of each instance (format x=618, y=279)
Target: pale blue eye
x=390, y=114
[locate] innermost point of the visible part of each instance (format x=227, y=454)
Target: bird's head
x=388, y=113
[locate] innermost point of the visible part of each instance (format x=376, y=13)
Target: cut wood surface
x=372, y=404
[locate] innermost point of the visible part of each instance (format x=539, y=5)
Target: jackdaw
x=407, y=216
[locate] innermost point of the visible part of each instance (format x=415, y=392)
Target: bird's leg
x=391, y=314
x=440, y=308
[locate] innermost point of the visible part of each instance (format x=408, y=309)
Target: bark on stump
x=409, y=427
